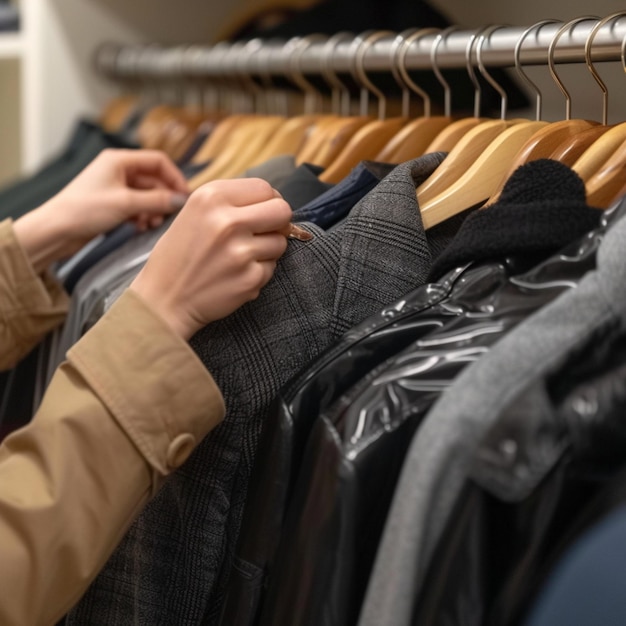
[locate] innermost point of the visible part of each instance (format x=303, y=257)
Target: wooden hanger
x=365, y=144
x=452, y=134
x=570, y=150
x=463, y=139
x=305, y=135
x=328, y=140
x=117, y=111
x=460, y=158
x=245, y=140
x=475, y=177
x=477, y=136
x=600, y=151
x=608, y=182
x=218, y=138
x=542, y=144
x=546, y=140
x=289, y=138
x=153, y=125
x=182, y=133
x=479, y=182
x=369, y=140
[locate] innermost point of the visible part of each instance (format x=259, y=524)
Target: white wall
x=10, y=144
x=60, y=39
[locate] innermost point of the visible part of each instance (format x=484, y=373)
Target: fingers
x=143, y=222
x=274, y=216
x=153, y=202
x=268, y=247
x=239, y=192
x=268, y=268
x=152, y=163
x=147, y=182
x=265, y=217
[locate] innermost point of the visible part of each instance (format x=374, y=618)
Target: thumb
x=154, y=202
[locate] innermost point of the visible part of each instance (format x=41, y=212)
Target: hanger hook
x=399, y=49
x=364, y=42
x=312, y=94
x=469, y=66
x=518, y=66
x=592, y=69
x=276, y=97
x=623, y=54
x=471, y=73
x=247, y=54
x=484, y=36
x=447, y=92
x=551, y=48
x=242, y=53
x=340, y=94
x=262, y=59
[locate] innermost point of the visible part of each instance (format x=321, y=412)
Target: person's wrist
x=172, y=314
x=42, y=236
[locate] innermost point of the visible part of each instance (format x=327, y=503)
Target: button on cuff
x=179, y=450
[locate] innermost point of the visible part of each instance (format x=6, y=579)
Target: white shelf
x=11, y=45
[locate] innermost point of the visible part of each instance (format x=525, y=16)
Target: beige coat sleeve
x=126, y=408
x=30, y=305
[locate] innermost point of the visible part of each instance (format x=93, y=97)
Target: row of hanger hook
x=109, y=61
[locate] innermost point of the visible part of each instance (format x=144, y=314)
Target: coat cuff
x=30, y=305
x=151, y=380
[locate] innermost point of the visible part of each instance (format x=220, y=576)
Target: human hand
x=117, y=186
x=217, y=254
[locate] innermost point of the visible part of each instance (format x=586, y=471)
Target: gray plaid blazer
x=172, y=566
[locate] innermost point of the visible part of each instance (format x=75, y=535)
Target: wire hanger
x=251, y=133
x=369, y=140
x=608, y=182
x=480, y=177
x=412, y=140
x=450, y=136
x=219, y=137
x=292, y=134
x=601, y=150
x=340, y=94
x=332, y=132
x=572, y=149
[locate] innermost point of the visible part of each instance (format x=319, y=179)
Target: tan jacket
x=126, y=408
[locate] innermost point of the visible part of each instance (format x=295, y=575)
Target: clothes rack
x=166, y=63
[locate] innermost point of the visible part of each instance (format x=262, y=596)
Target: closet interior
x=425, y=407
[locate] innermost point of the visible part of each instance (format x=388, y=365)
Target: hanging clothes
x=358, y=438
x=359, y=447
x=320, y=290
x=442, y=452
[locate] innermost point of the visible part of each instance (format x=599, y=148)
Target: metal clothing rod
x=273, y=58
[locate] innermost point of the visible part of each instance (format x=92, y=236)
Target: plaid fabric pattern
x=172, y=566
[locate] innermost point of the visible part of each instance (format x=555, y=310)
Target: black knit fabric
x=541, y=209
